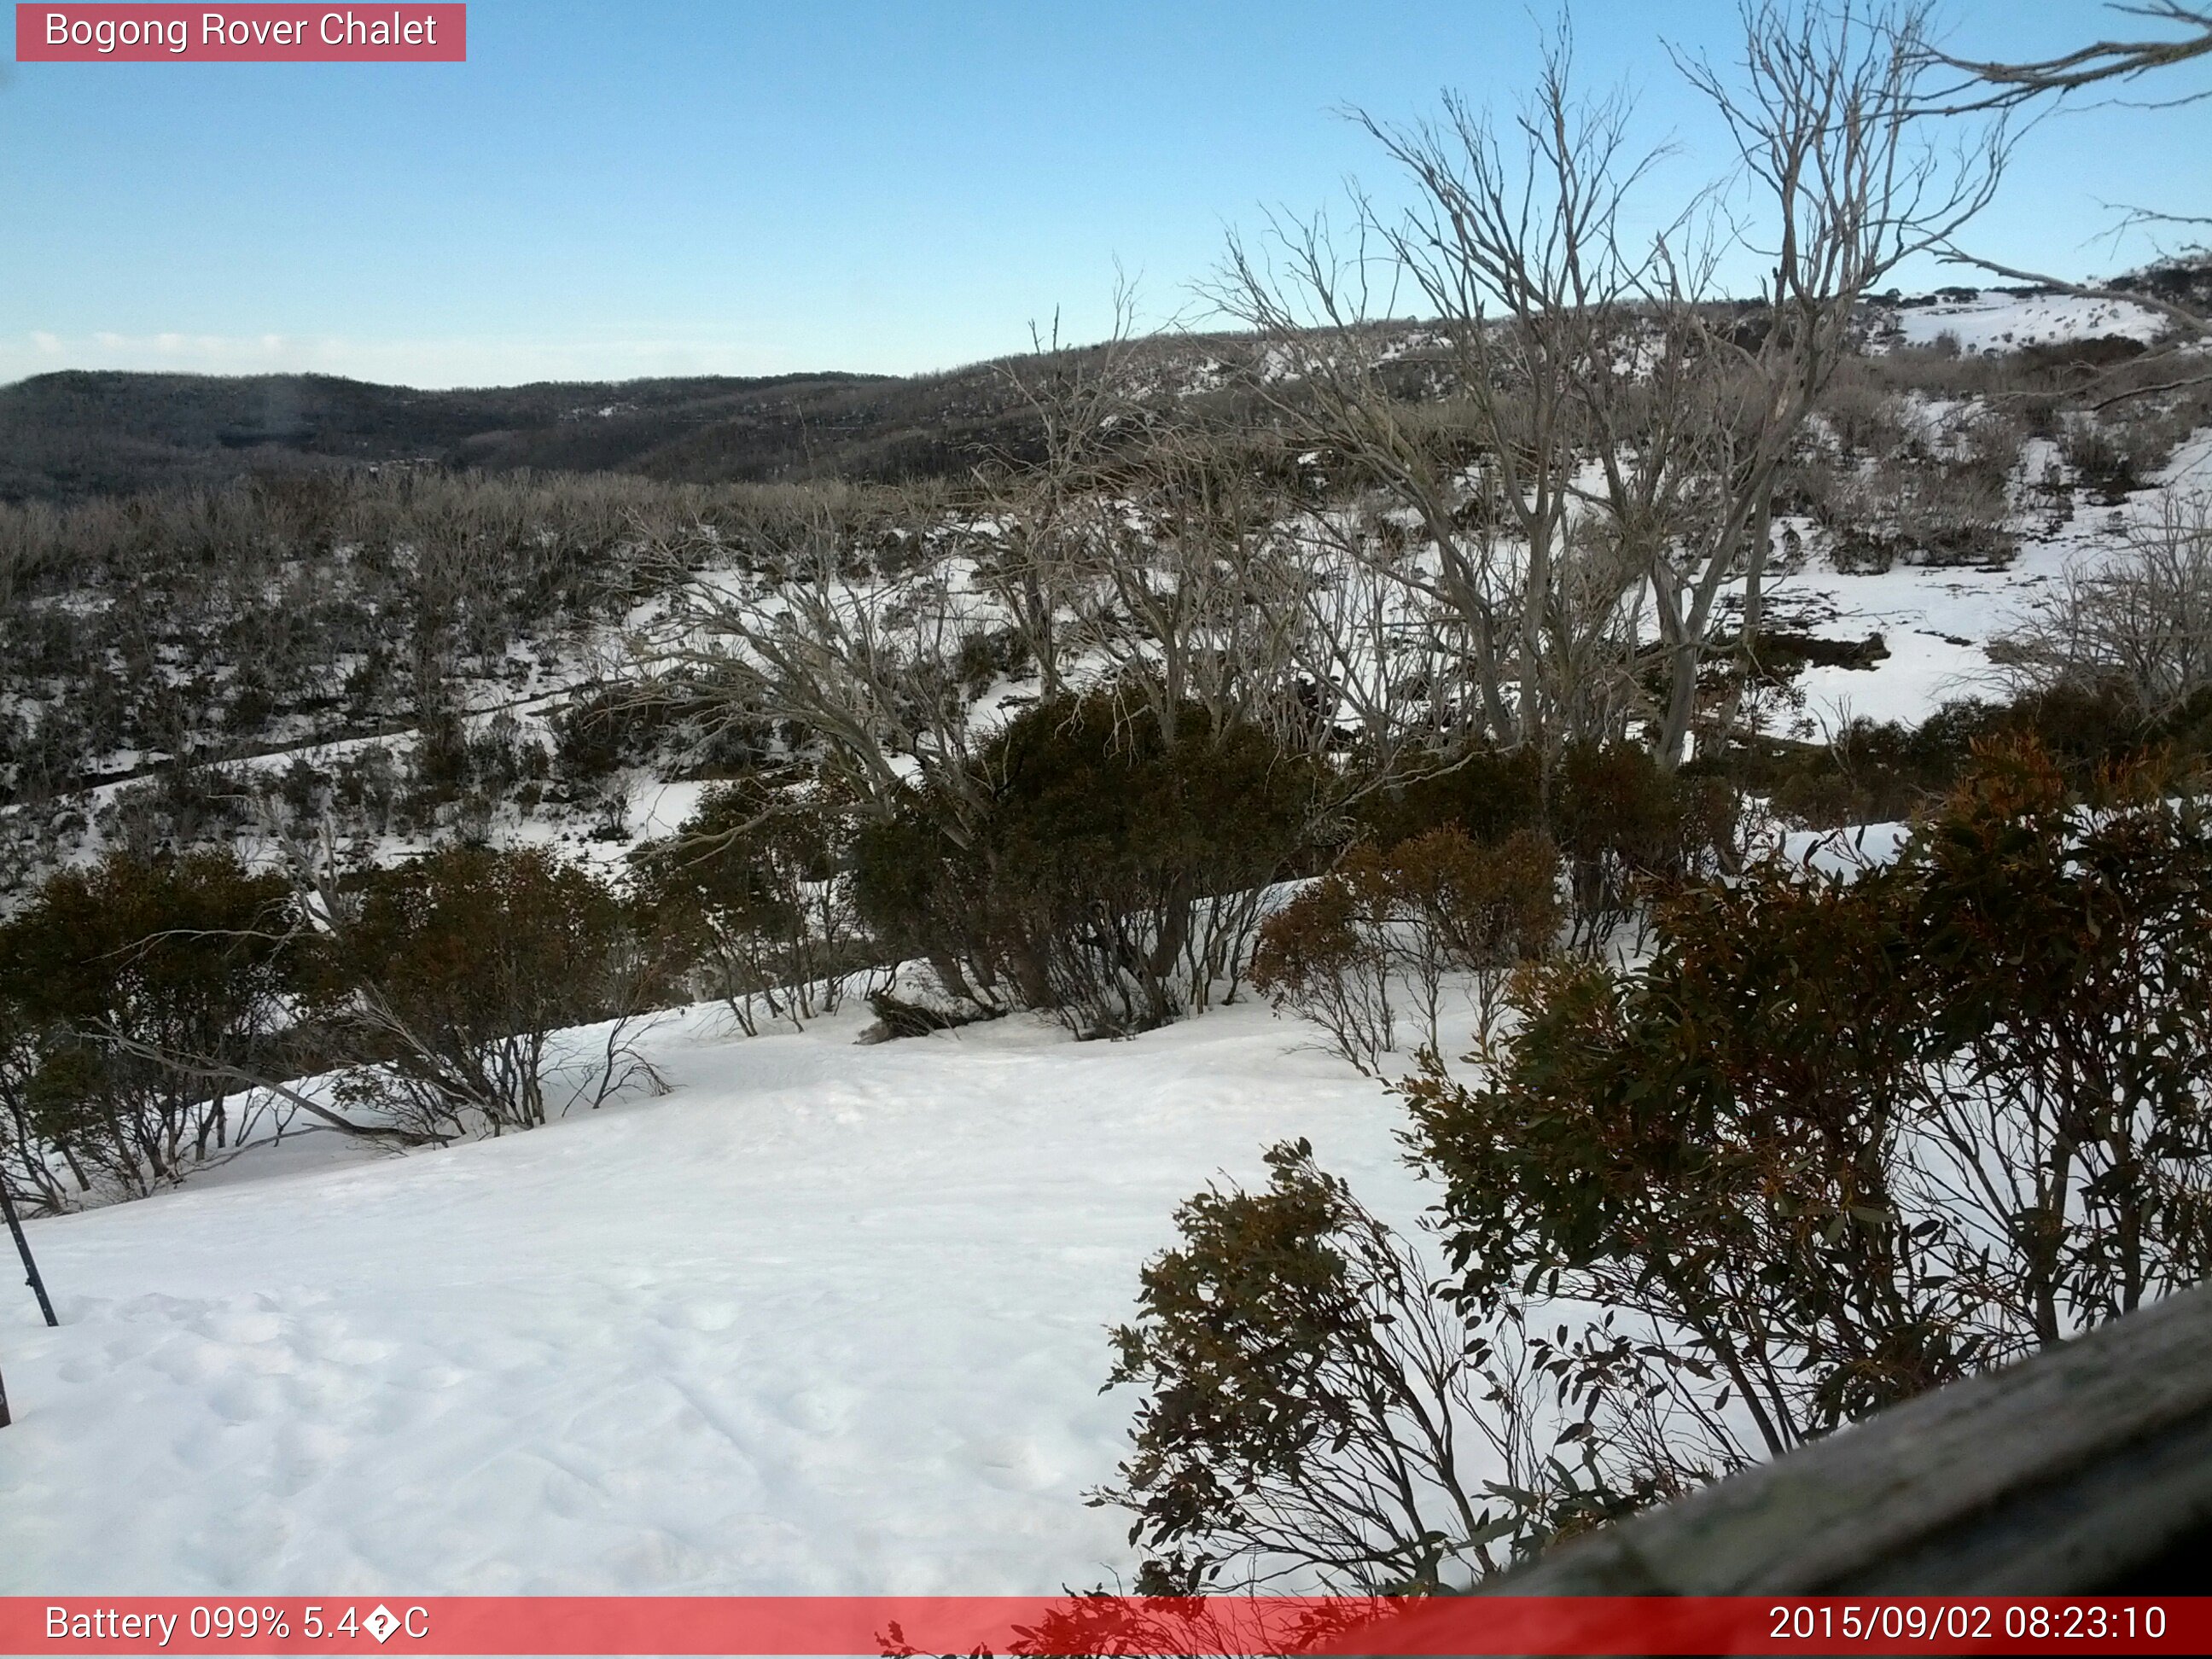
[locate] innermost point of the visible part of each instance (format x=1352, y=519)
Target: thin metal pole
x=30, y=1270
x=38, y=1285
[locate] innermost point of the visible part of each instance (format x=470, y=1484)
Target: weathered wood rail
x=2085, y=1470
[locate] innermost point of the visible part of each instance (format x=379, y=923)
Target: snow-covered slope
x=824, y=1319
x=2006, y=322
x=1938, y=620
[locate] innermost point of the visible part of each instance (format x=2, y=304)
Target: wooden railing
x=2087, y=1469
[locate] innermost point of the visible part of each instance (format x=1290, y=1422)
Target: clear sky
x=611, y=188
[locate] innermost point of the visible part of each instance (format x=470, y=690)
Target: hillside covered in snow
x=585, y=1032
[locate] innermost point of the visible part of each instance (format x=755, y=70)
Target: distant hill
x=82, y=433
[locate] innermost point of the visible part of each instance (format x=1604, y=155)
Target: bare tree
x=1560, y=350
x=858, y=662
x=1038, y=519
x=1186, y=598
x=2001, y=85
x=1468, y=423
x=2099, y=62
x=862, y=657
x=1848, y=180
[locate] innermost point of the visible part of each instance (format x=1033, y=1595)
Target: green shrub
x=1310, y=1408
x=1095, y=869
x=1837, y=1143
x=1488, y=793
x=1850, y=1139
x=450, y=976
x=1401, y=921
x=1616, y=817
x=1872, y=772
x=757, y=884
x=130, y=988
x=1622, y=822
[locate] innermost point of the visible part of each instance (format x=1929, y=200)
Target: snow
x=1845, y=852
x=1938, y=620
x=825, y=1319
x=2007, y=322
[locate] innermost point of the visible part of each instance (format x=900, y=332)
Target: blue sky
x=648, y=187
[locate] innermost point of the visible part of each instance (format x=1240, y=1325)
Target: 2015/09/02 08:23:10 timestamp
x=1971, y=1620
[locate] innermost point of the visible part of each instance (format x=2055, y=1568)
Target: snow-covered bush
x=2113, y=456
x=1926, y=511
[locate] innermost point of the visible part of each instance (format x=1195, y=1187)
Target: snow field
x=2008, y=322
x=1938, y=620
x=827, y=1319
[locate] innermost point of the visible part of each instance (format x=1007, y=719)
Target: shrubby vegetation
x=757, y=889
x=1386, y=923
x=156, y=1012
x=104, y=976
x=1313, y=1411
x=1093, y=865
x=2138, y=626
x=454, y=981
x=174, y=638
x=1838, y=1141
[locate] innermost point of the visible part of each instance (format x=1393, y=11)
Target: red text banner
x=165, y=33
x=1224, y=1625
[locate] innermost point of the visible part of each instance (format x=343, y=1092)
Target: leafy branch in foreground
x=1839, y=1142
x=1315, y=1411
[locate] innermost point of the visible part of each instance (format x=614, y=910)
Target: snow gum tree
x=1587, y=436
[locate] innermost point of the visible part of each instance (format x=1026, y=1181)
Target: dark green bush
x=131, y=987
x=1615, y=815
x=1095, y=869
x=1311, y=1407
x=1872, y=772
x=1489, y=793
x=756, y=883
x=449, y=979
